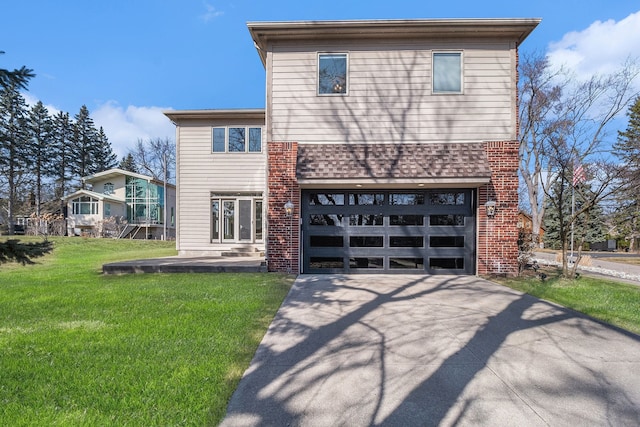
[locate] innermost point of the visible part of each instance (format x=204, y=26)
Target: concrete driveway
x=444, y=350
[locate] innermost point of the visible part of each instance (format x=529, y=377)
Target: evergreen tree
x=128, y=164
x=61, y=154
x=84, y=145
x=18, y=78
x=627, y=149
x=104, y=157
x=40, y=149
x=14, y=139
x=588, y=227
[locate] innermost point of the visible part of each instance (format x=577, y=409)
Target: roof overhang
x=176, y=116
x=116, y=173
x=95, y=195
x=514, y=29
x=390, y=183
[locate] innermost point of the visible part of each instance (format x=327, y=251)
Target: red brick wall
x=497, y=246
x=283, y=238
x=498, y=236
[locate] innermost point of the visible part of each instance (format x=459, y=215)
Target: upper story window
x=332, y=73
x=447, y=72
x=237, y=140
x=107, y=188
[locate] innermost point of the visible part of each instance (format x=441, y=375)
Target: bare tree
x=564, y=124
x=155, y=157
x=539, y=100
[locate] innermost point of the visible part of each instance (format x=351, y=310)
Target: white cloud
x=124, y=126
x=33, y=100
x=599, y=49
x=211, y=12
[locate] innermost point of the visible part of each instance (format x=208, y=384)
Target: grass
x=80, y=348
x=607, y=300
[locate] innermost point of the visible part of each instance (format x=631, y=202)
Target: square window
x=237, y=138
x=218, y=140
x=447, y=72
x=332, y=73
x=255, y=140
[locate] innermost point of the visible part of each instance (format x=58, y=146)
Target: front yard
x=79, y=348
x=603, y=299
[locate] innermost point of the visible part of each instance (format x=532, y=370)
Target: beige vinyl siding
x=119, y=185
x=203, y=172
x=389, y=94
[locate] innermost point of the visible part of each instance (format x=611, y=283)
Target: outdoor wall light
x=491, y=208
x=288, y=208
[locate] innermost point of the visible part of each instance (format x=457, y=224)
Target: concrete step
x=237, y=254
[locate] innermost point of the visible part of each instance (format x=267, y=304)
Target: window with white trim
x=447, y=72
x=236, y=139
x=332, y=74
x=84, y=205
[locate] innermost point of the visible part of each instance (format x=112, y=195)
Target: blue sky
x=129, y=60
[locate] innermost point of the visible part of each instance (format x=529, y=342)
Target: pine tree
x=40, y=148
x=14, y=139
x=61, y=154
x=588, y=227
x=627, y=149
x=18, y=78
x=128, y=164
x=104, y=157
x=83, y=145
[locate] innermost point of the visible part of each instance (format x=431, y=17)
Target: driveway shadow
x=439, y=350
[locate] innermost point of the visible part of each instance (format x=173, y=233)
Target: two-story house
x=146, y=205
x=385, y=146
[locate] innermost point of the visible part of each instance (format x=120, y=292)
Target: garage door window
x=446, y=241
x=395, y=231
x=366, y=199
x=369, y=263
x=329, y=220
x=406, y=199
x=447, y=198
x=442, y=220
x=366, y=220
x=366, y=241
x=326, y=199
x=406, y=241
x=326, y=241
x=406, y=220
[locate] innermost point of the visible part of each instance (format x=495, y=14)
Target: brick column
x=283, y=232
x=498, y=236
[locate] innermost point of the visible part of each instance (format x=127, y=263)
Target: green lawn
x=79, y=348
x=607, y=300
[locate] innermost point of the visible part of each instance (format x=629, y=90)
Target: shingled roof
x=435, y=163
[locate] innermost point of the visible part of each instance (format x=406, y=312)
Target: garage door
x=428, y=232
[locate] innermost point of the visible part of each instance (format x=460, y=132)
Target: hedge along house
x=385, y=146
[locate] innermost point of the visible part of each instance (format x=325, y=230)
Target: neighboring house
x=525, y=226
x=385, y=146
x=116, y=193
